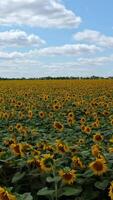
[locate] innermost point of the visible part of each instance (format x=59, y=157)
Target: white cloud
x=40, y=13
x=18, y=38
x=66, y=50
x=93, y=36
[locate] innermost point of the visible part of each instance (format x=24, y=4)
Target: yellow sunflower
x=98, y=166
x=97, y=137
x=68, y=175
x=58, y=126
x=111, y=191
x=5, y=195
x=47, y=162
x=77, y=163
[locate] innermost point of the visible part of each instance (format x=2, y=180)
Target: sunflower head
x=58, y=126
x=98, y=166
x=47, y=162
x=97, y=137
x=111, y=191
x=67, y=175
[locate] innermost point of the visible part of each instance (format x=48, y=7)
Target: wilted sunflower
x=97, y=137
x=58, y=126
x=68, y=175
x=98, y=166
x=111, y=191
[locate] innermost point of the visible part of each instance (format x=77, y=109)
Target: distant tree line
x=57, y=78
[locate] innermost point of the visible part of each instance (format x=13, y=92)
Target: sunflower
x=62, y=148
x=30, y=114
x=70, y=115
x=10, y=128
x=50, y=114
x=18, y=126
x=77, y=163
x=82, y=120
x=58, y=126
x=20, y=115
x=5, y=195
x=97, y=137
x=87, y=129
x=56, y=106
x=111, y=191
x=41, y=114
x=47, y=162
x=95, y=149
x=98, y=166
x=70, y=121
x=16, y=149
x=68, y=175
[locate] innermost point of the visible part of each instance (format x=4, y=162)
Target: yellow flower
x=95, y=149
x=98, y=166
x=77, y=162
x=62, y=148
x=97, y=137
x=111, y=191
x=4, y=195
x=68, y=175
x=17, y=149
x=58, y=126
x=70, y=121
x=41, y=114
x=87, y=129
x=46, y=162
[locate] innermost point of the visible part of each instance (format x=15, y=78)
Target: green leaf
x=27, y=196
x=88, y=173
x=54, y=179
x=45, y=191
x=69, y=191
x=18, y=176
x=102, y=185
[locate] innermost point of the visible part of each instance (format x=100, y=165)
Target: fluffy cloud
x=93, y=36
x=67, y=50
x=40, y=13
x=18, y=38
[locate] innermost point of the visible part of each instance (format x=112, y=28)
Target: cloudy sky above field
x=56, y=38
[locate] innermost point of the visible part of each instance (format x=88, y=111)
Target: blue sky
x=56, y=38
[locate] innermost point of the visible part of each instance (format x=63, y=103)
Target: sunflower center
x=67, y=176
x=98, y=166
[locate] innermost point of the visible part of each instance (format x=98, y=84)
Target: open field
x=56, y=140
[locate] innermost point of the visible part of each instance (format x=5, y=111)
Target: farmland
x=56, y=139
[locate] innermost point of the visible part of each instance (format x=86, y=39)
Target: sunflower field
x=56, y=140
